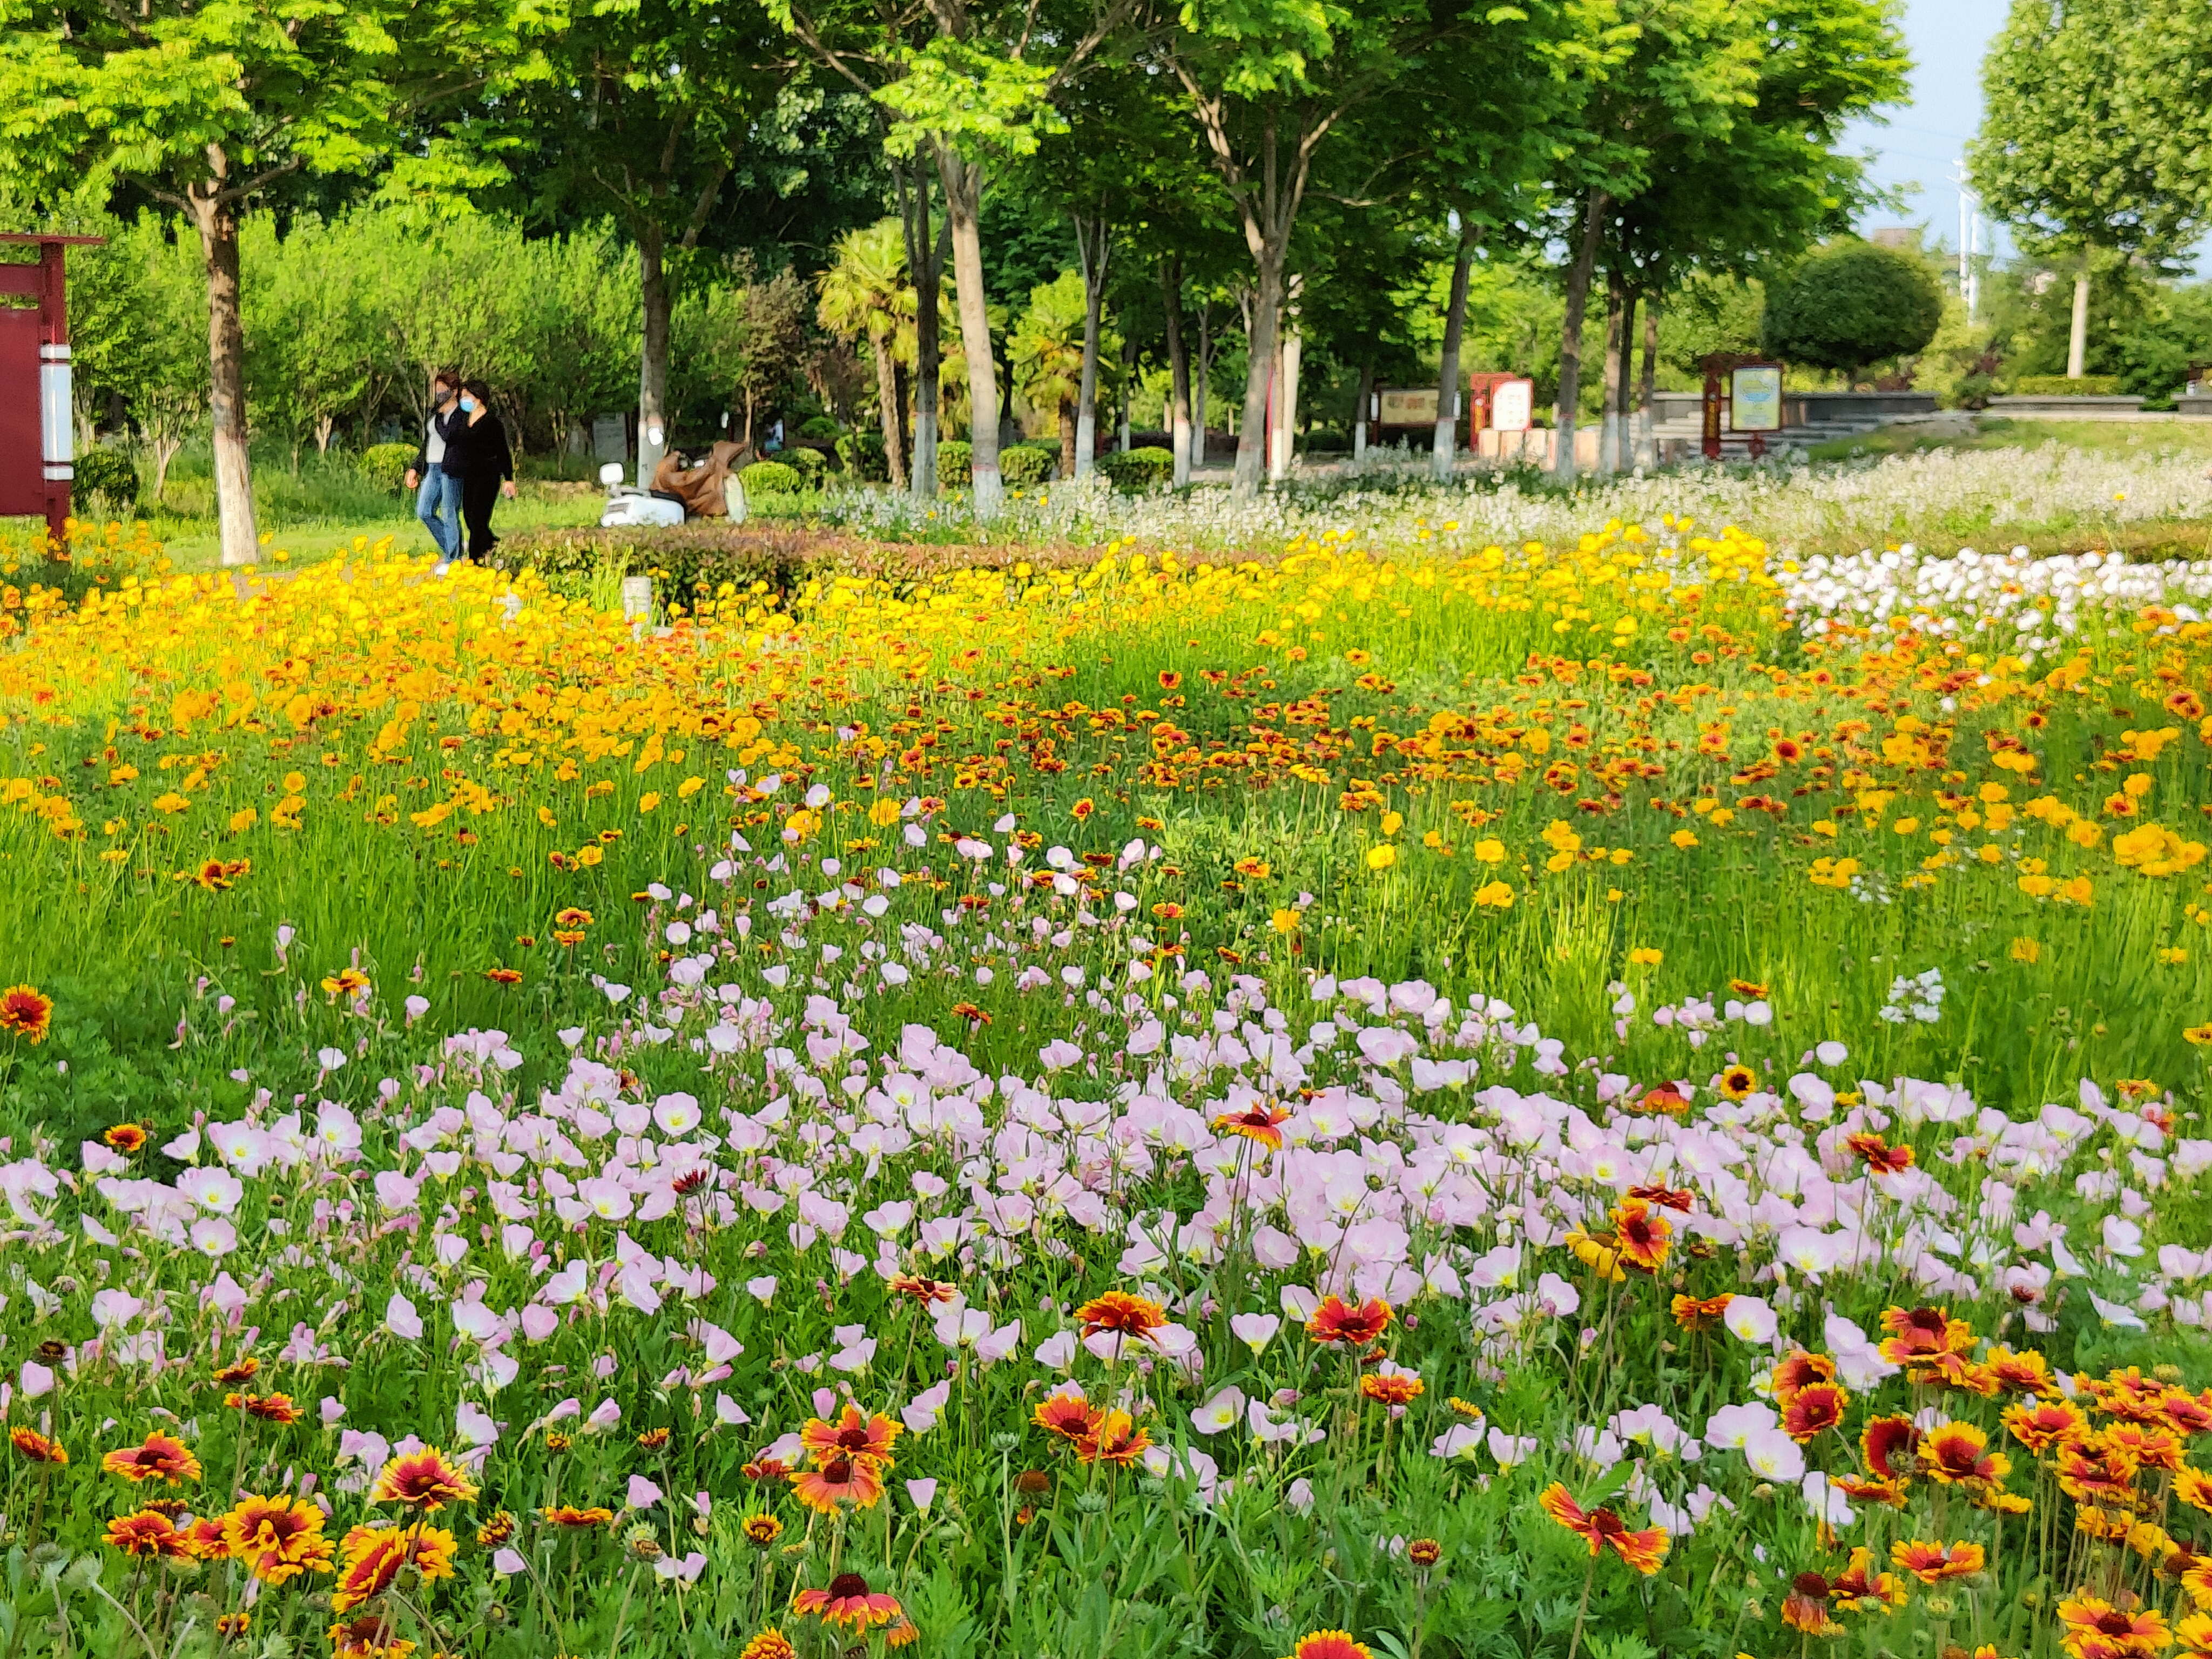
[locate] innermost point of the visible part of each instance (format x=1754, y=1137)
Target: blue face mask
x=468, y=404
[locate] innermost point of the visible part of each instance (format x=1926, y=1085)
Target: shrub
x=680, y=558
x=861, y=454
x=1852, y=304
x=819, y=429
x=1026, y=466
x=772, y=478
x=2057, y=386
x=1138, y=470
x=809, y=463
x=111, y=475
x=385, y=465
x=953, y=459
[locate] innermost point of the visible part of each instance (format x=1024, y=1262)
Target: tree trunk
x=1204, y=376
x=1069, y=451
x=1359, y=413
x=1571, y=337
x=1252, y=429
x=234, y=475
x=1092, y=252
x=887, y=403
x=925, y=263
x=1624, y=428
x=324, y=425
x=1289, y=349
x=1178, y=368
x=1440, y=450
x=652, y=359
x=1609, y=435
x=964, y=199
x=2077, y=338
x=1647, y=415
x=1129, y=375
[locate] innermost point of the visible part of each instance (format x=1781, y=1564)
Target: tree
x=2076, y=151
x=138, y=330
x=1852, y=304
x=642, y=111
x=207, y=108
x=864, y=293
x=311, y=357
x=1047, y=353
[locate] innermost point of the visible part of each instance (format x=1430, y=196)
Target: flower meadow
x=1623, y=1095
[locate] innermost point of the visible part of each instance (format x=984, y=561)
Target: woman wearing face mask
x=478, y=442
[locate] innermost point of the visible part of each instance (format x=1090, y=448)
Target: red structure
x=37, y=430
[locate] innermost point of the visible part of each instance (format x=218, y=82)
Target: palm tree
x=865, y=291
x=1046, y=356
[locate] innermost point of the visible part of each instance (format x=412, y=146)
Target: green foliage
x=385, y=464
x=680, y=558
x=2057, y=386
x=1852, y=304
x=772, y=478
x=1026, y=466
x=107, y=472
x=861, y=453
x=952, y=462
x=820, y=428
x=1138, y=468
x=810, y=463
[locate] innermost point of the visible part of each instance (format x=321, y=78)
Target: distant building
x=1899, y=236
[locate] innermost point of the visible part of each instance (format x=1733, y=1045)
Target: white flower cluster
x=1915, y=997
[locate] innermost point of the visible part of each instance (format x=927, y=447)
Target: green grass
x=2145, y=439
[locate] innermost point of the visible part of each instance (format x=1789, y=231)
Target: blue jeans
x=438, y=504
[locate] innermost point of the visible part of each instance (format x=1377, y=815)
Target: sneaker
x=442, y=566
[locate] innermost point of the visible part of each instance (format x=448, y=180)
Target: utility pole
x=1970, y=241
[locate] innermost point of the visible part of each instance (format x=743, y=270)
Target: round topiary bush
x=811, y=463
x=385, y=464
x=953, y=460
x=1138, y=468
x=1026, y=466
x=1852, y=304
x=819, y=429
x=109, y=474
x=771, y=478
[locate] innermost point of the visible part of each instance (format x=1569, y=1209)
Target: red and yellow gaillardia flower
x=278, y=1538
x=160, y=1458
x=846, y=1600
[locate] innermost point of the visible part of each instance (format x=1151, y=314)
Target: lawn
x=1540, y=1094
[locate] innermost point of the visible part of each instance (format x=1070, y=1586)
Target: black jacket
x=443, y=420
x=479, y=450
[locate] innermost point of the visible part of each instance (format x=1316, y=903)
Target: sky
x=1922, y=142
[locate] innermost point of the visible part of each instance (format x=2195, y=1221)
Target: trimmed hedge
x=2057, y=386
x=819, y=429
x=385, y=464
x=811, y=463
x=1138, y=470
x=954, y=464
x=861, y=454
x=108, y=473
x=1026, y=466
x=771, y=478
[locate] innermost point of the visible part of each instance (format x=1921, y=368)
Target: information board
x=1755, y=398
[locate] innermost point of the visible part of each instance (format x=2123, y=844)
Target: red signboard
x=22, y=463
x=36, y=422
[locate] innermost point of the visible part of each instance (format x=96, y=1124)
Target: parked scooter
x=627, y=504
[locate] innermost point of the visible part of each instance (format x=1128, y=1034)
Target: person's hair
x=447, y=377
x=479, y=390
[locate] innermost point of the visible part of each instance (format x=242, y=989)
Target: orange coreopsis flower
x=1642, y=1236
x=2193, y=1488
x=1114, y=1438
x=277, y=1538
x=423, y=1481
x=160, y=1458
x=2130, y=1396
x=1860, y=1584
x=769, y=1644
x=1873, y=1490
x=1602, y=1529
x=1329, y=1644
x=2151, y=1448
x=836, y=1481
x=2091, y=1471
x=1951, y=1453
x=125, y=1138
x=2196, y=1633
x=1118, y=1310
x=1801, y=1369
x=1338, y=1320
x=369, y=1637
x=2095, y=1627
x=36, y=1447
x=846, y=1600
x=205, y=1539
x=855, y=1435
x=238, y=1371
x=1813, y=1410
x=1806, y=1607
x=1697, y=1314
x=1917, y=1335
x=1931, y=1563
x=1065, y=1412
x=1259, y=1122
x=147, y=1535
x=373, y=1555
x=1879, y=1158
x=1391, y=1386
x=1889, y=1445
x=26, y=1013
x=2021, y=1373
x=924, y=1291
x=567, y=1516
x=2046, y=1424
x=278, y=1408
x=2187, y=1414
